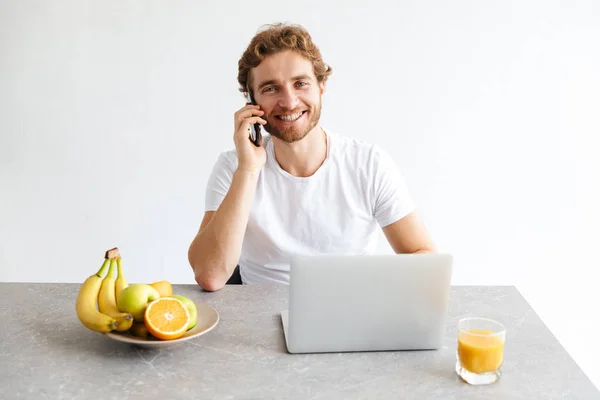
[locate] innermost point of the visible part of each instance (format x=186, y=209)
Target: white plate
x=208, y=318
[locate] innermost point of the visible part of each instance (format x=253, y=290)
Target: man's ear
x=322, y=87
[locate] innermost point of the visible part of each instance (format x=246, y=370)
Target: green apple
x=191, y=307
x=135, y=298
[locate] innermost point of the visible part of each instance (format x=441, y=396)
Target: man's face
x=285, y=87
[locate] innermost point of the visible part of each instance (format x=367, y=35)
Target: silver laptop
x=367, y=302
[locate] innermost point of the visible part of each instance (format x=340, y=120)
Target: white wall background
x=113, y=112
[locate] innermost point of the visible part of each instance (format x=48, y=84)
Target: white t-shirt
x=337, y=210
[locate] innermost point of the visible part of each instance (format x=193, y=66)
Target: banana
x=107, y=303
x=85, y=305
x=121, y=282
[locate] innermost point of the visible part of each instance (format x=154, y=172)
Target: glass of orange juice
x=480, y=350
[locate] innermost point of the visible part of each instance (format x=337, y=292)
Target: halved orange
x=166, y=318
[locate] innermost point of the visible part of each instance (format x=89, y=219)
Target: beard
x=294, y=133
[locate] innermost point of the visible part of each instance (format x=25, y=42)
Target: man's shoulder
x=345, y=146
x=231, y=156
x=227, y=159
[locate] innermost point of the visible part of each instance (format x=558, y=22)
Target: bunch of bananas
x=96, y=303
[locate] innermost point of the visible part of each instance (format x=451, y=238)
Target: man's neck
x=304, y=157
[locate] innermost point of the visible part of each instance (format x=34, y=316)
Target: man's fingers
x=251, y=121
x=247, y=108
x=248, y=113
x=245, y=125
x=243, y=115
x=256, y=120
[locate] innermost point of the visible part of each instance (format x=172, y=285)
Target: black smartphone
x=255, y=134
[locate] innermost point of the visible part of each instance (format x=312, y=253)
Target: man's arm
x=215, y=251
x=408, y=235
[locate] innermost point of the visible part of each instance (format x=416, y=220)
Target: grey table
x=46, y=353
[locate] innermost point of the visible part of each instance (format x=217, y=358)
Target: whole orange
x=164, y=288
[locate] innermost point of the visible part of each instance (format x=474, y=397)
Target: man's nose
x=288, y=99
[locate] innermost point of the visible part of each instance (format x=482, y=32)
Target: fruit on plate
x=107, y=303
x=167, y=318
x=85, y=305
x=191, y=306
x=139, y=329
x=135, y=298
x=164, y=288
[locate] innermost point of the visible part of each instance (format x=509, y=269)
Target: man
x=305, y=189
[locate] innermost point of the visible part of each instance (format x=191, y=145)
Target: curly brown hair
x=274, y=38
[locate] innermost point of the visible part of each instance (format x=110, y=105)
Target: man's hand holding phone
x=250, y=157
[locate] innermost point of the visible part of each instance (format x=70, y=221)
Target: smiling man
x=305, y=190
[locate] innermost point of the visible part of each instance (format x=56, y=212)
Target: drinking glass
x=480, y=351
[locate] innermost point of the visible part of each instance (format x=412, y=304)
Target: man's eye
x=269, y=89
x=301, y=84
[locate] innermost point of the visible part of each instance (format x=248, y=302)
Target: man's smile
x=290, y=117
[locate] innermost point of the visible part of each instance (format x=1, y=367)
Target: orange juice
x=480, y=351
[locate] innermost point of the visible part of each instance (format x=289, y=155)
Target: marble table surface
x=45, y=352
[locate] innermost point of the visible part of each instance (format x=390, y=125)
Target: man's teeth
x=291, y=117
